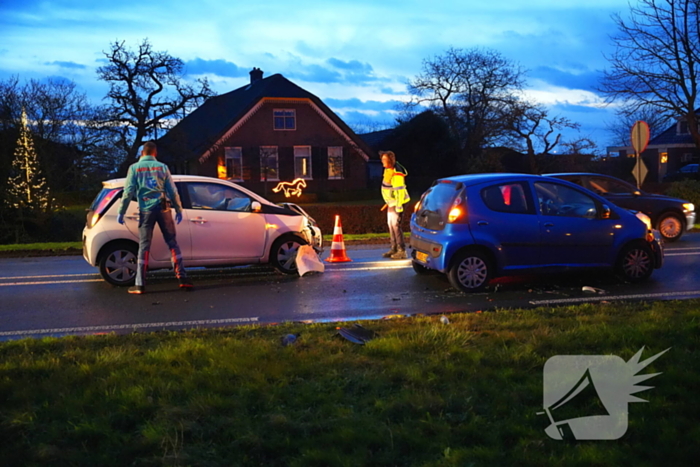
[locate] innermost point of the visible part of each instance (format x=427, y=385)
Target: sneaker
x=137, y=289
x=186, y=284
x=400, y=254
x=389, y=253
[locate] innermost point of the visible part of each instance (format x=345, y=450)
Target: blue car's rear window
x=441, y=196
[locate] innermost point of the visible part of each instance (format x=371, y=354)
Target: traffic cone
x=338, y=247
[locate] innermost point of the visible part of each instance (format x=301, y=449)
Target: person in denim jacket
x=150, y=182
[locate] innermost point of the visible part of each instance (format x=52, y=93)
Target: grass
x=55, y=246
x=422, y=393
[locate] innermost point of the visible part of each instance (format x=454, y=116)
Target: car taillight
x=102, y=206
x=457, y=211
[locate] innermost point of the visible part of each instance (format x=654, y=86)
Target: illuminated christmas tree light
x=27, y=187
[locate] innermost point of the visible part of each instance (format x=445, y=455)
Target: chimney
x=256, y=74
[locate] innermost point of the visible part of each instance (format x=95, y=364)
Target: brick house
x=268, y=131
x=666, y=153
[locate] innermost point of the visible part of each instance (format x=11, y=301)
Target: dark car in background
x=671, y=216
x=687, y=172
x=476, y=227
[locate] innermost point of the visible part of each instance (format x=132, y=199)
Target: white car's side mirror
x=255, y=206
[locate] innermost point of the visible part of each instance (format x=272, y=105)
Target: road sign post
x=640, y=139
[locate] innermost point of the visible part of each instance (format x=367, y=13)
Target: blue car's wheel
x=635, y=263
x=471, y=271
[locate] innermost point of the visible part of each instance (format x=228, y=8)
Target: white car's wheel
x=118, y=263
x=283, y=254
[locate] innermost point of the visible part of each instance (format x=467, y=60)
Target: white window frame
x=340, y=150
x=305, y=155
x=232, y=157
x=269, y=151
x=284, y=117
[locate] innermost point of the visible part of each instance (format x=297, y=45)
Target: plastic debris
x=290, y=339
x=444, y=319
x=588, y=288
x=307, y=261
x=357, y=334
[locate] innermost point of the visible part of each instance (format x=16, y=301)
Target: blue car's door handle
x=482, y=223
x=549, y=224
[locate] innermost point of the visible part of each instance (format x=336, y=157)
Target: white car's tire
x=283, y=253
x=118, y=262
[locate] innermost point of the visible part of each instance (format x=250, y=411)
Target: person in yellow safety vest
x=395, y=196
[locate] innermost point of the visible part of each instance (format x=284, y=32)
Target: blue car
x=477, y=227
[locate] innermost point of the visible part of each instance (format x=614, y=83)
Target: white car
x=223, y=224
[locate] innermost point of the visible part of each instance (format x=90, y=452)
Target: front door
x=572, y=232
x=221, y=223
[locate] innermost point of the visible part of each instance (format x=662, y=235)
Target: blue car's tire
x=470, y=271
x=635, y=263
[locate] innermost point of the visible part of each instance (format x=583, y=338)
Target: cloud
x=72, y=65
x=586, y=80
x=316, y=74
x=335, y=71
x=358, y=105
x=567, y=107
x=219, y=67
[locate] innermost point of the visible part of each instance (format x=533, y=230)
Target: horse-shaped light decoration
x=292, y=188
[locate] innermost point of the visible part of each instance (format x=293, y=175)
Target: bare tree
x=533, y=131
x=472, y=90
x=65, y=129
x=146, y=87
x=657, y=60
x=621, y=128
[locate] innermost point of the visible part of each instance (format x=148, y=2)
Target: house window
x=285, y=119
x=302, y=162
x=687, y=157
x=233, y=159
x=683, y=127
x=663, y=157
x=269, y=163
x=335, y=163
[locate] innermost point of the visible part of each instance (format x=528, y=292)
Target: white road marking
x=601, y=298
x=134, y=326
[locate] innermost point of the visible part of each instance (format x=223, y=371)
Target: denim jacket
x=149, y=179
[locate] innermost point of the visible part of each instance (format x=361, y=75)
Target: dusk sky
x=357, y=56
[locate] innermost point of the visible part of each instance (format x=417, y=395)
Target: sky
x=357, y=56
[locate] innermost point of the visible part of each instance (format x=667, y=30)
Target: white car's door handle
x=133, y=217
x=198, y=220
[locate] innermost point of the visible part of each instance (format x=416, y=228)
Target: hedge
x=355, y=219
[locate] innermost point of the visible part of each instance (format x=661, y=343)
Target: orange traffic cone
x=338, y=247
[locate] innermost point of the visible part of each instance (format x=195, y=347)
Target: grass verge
x=55, y=246
x=422, y=393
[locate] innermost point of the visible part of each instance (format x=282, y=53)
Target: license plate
x=422, y=257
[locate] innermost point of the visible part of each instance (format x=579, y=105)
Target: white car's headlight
x=688, y=207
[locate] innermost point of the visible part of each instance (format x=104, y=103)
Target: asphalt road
x=64, y=295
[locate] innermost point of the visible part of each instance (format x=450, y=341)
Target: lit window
x=663, y=157
x=302, y=162
x=285, y=119
x=269, y=163
x=233, y=160
x=335, y=163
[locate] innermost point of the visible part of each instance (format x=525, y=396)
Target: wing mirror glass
x=605, y=212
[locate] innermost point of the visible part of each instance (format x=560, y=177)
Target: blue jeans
x=393, y=219
x=147, y=222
